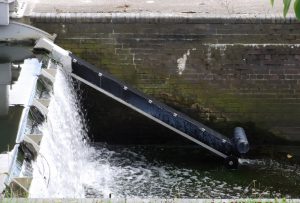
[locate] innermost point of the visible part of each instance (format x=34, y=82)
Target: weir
x=63, y=132
x=28, y=142
x=158, y=112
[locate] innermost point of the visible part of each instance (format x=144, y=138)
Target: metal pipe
x=240, y=140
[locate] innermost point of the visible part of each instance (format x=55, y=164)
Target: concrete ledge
x=154, y=18
x=153, y=200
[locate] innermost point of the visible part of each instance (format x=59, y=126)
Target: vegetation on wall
x=286, y=7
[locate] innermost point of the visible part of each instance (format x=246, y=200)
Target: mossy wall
x=221, y=74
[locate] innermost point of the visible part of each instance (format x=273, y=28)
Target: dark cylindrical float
x=240, y=140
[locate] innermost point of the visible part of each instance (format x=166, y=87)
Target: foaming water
x=70, y=167
x=135, y=175
x=284, y=169
x=59, y=170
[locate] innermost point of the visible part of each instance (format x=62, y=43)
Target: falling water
x=69, y=166
x=60, y=168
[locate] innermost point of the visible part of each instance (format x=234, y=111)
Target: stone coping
x=154, y=18
x=137, y=200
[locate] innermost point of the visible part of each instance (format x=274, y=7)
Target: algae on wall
x=228, y=78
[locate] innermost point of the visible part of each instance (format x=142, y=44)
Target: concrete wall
x=221, y=72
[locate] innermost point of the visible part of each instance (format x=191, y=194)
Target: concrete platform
x=193, y=8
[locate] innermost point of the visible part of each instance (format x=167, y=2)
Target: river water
x=69, y=166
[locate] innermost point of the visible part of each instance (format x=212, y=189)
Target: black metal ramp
x=161, y=113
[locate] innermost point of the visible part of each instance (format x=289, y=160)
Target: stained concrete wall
x=224, y=73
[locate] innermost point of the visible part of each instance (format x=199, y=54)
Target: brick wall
x=223, y=74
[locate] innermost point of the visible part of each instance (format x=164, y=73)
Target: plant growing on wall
x=286, y=6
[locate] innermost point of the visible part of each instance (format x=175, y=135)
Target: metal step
x=41, y=105
x=49, y=73
x=35, y=140
x=21, y=182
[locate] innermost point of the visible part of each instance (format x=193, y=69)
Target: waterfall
x=61, y=168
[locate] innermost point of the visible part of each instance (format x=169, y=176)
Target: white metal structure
x=22, y=32
x=4, y=11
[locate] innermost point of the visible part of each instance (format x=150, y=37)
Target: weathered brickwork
x=221, y=73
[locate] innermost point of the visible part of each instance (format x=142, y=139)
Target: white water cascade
x=62, y=167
